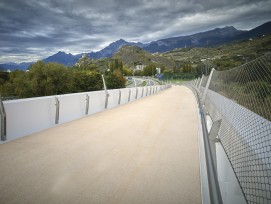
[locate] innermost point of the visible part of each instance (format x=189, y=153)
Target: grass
x=144, y=83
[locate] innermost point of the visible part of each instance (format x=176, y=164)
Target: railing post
x=207, y=86
x=196, y=85
x=134, y=82
x=106, y=93
x=57, y=110
x=200, y=81
x=119, y=97
x=136, y=88
x=129, y=95
x=3, y=121
x=136, y=93
x=87, y=104
x=142, y=92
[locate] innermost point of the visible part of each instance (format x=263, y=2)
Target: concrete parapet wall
x=27, y=116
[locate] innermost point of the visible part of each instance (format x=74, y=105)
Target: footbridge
x=207, y=141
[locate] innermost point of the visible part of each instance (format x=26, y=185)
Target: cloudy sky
x=35, y=29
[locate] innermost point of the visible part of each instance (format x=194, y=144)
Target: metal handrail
x=214, y=189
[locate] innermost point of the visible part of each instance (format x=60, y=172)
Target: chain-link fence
x=241, y=97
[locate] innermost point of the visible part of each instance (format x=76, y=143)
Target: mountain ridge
x=212, y=37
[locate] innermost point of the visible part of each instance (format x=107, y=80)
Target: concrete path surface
x=143, y=152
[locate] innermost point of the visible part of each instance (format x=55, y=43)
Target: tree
x=115, y=80
x=3, y=77
x=138, y=73
x=149, y=70
x=187, y=68
x=49, y=79
x=84, y=80
x=85, y=63
x=127, y=71
x=115, y=64
x=168, y=73
x=17, y=85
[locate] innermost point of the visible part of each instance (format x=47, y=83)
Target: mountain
x=60, y=57
x=63, y=58
x=14, y=66
x=210, y=38
x=111, y=49
x=133, y=55
x=261, y=30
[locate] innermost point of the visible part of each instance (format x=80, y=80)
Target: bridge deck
x=142, y=152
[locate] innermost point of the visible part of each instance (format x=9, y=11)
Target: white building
x=140, y=67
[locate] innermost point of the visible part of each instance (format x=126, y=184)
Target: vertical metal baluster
x=3, y=121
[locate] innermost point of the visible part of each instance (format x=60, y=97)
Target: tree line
x=44, y=79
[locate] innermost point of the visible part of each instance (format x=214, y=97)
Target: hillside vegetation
x=222, y=57
x=132, y=55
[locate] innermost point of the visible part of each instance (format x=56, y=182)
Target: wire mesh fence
x=248, y=85
x=241, y=97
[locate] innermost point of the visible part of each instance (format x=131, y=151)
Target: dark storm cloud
x=33, y=29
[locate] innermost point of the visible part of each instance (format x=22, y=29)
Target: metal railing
x=241, y=99
x=214, y=190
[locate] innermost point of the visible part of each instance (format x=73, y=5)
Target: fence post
x=200, y=81
x=136, y=88
x=196, y=85
x=87, y=104
x=142, y=92
x=3, y=121
x=134, y=82
x=207, y=86
x=213, y=139
x=119, y=97
x=129, y=95
x=57, y=110
x=106, y=93
x=136, y=93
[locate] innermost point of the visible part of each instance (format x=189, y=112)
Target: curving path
x=143, y=152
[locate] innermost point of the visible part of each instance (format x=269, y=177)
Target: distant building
x=140, y=67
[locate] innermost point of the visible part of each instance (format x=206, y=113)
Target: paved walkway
x=143, y=152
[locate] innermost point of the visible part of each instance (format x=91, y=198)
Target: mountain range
x=213, y=37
